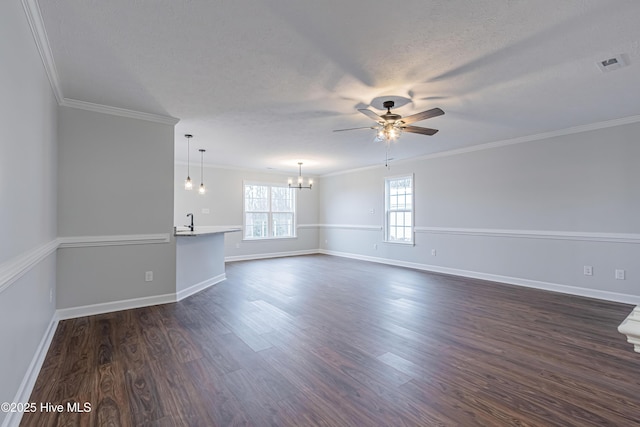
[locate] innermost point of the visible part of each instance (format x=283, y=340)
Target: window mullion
x=270, y=216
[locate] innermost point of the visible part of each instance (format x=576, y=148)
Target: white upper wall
x=116, y=175
x=583, y=182
x=580, y=182
x=28, y=148
x=224, y=196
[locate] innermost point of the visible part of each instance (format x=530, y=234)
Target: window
x=269, y=211
x=398, y=194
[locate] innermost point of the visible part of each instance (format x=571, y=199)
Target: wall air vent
x=613, y=63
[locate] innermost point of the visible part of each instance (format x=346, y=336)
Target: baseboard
x=29, y=380
x=108, y=307
x=270, y=255
x=200, y=286
x=547, y=286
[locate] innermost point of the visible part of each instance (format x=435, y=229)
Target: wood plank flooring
x=326, y=341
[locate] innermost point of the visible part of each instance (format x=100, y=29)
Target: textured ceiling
x=262, y=84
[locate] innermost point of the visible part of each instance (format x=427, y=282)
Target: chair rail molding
x=18, y=266
x=352, y=226
x=535, y=234
x=115, y=240
x=13, y=269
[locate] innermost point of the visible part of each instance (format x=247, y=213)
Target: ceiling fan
x=391, y=125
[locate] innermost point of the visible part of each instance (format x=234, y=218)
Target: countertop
x=203, y=231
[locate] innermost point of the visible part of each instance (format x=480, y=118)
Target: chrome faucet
x=190, y=226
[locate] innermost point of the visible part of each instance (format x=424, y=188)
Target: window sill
x=393, y=242
x=262, y=239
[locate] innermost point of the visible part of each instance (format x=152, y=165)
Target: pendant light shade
x=188, y=184
x=202, y=189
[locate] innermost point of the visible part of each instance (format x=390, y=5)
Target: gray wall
x=532, y=213
x=224, y=199
x=27, y=199
x=115, y=178
x=198, y=261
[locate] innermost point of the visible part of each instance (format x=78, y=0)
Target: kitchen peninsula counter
x=199, y=258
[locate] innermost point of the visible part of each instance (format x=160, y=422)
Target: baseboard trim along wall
x=108, y=307
x=30, y=377
x=555, y=287
x=270, y=255
x=194, y=289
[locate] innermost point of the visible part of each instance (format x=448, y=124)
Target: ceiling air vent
x=613, y=63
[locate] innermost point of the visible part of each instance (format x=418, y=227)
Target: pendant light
x=188, y=185
x=300, y=183
x=202, y=190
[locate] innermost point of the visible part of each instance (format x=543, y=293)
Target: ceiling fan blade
x=420, y=130
x=371, y=114
x=365, y=127
x=434, y=112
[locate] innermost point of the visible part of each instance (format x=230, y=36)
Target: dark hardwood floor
x=326, y=341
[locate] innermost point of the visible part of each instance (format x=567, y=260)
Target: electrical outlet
x=206, y=211
x=433, y=252
x=237, y=245
x=588, y=270
x=619, y=274
x=50, y=295
x=375, y=246
x=372, y=211
x=148, y=276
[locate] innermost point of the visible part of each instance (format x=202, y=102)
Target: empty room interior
x=299, y=213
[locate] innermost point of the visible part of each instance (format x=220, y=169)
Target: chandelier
x=300, y=184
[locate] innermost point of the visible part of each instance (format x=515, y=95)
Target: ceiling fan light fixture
x=389, y=132
x=391, y=125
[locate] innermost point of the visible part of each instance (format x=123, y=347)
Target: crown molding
x=502, y=143
x=361, y=169
x=115, y=111
x=36, y=23
x=34, y=17
x=530, y=138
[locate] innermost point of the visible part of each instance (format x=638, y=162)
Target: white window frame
x=270, y=212
x=388, y=210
